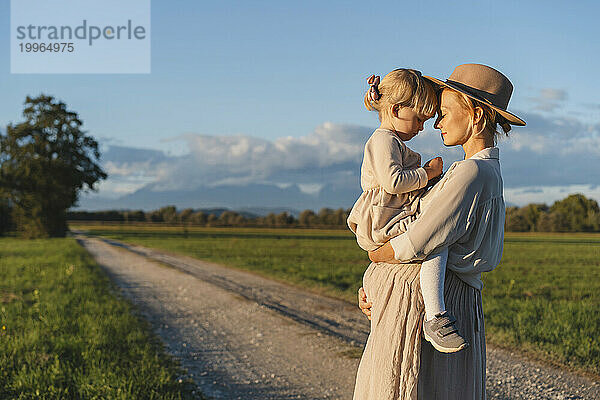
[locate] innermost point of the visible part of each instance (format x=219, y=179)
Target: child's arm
x=385, y=158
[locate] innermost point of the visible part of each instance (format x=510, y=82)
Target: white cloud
x=549, y=99
x=330, y=150
x=548, y=194
x=553, y=94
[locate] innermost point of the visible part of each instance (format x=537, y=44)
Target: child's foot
x=443, y=334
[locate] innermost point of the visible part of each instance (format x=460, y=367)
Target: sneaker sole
x=444, y=349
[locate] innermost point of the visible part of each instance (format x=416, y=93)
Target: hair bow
x=373, y=81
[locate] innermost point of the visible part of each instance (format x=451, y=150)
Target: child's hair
x=406, y=88
x=491, y=118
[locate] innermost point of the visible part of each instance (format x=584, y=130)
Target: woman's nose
x=436, y=124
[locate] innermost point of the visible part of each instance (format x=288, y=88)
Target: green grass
x=65, y=334
x=543, y=298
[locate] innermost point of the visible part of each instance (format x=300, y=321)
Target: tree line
x=326, y=217
x=575, y=213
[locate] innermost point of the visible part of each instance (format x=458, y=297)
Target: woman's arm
x=449, y=215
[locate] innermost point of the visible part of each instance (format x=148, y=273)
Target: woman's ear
x=395, y=110
x=477, y=116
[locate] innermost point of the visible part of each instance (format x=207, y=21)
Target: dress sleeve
x=385, y=156
x=449, y=215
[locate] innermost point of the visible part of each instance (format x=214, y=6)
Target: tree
x=211, y=220
x=168, y=214
x=515, y=222
x=199, y=218
x=551, y=222
x=307, y=218
x=229, y=218
x=135, y=216
x=532, y=213
x=45, y=162
x=5, y=211
x=325, y=216
x=284, y=219
x=577, y=213
x=185, y=215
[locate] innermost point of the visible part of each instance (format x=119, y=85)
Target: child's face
x=408, y=123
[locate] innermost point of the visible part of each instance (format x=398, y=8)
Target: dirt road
x=241, y=336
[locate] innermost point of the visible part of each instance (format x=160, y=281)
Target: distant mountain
x=259, y=199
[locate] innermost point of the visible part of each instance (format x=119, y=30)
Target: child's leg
x=433, y=273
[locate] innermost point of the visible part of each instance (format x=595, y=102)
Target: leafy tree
x=531, y=214
x=185, y=215
x=339, y=217
x=325, y=216
x=154, y=216
x=578, y=213
x=5, y=211
x=551, y=222
x=307, y=218
x=230, y=218
x=199, y=218
x=211, y=220
x=135, y=216
x=284, y=219
x=45, y=162
x=168, y=214
x=515, y=222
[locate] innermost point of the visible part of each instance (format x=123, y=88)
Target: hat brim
x=510, y=117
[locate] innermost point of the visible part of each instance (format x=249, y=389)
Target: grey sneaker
x=442, y=333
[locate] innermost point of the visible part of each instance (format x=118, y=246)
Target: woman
x=464, y=211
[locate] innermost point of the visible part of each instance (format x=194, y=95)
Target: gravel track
x=242, y=336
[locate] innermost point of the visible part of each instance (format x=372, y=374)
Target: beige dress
x=392, y=179
x=464, y=212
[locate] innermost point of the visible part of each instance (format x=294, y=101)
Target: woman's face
x=453, y=120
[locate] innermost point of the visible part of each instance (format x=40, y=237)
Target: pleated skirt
x=396, y=362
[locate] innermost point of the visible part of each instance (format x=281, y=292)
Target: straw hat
x=484, y=84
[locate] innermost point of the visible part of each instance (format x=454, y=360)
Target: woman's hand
x=384, y=253
x=364, y=306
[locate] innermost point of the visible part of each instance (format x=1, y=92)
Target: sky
x=272, y=91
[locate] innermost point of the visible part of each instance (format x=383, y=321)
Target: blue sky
x=276, y=72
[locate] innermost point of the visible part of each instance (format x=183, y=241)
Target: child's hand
x=434, y=167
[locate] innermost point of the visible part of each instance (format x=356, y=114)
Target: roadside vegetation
x=66, y=334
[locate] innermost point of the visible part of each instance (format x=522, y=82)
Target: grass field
x=543, y=298
x=64, y=334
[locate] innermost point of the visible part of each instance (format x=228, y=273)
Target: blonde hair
x=405, y=88
x=491, y=118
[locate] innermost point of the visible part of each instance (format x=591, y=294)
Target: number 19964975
x=43, y=47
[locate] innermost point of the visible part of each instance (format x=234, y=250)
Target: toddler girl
x=393, y=182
